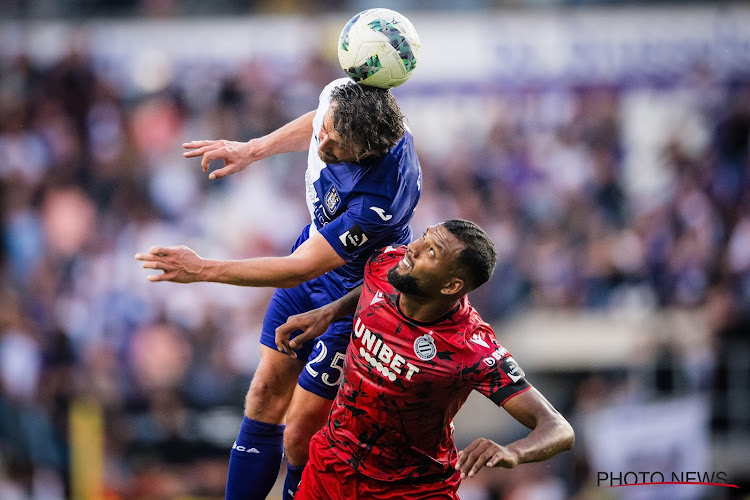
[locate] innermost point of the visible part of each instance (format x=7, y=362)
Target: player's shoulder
x=403, y=153
x=473, y=335
x=398, y=171
x=379, y=263
x=388, y=253
x=406, y=143
x=386, y=256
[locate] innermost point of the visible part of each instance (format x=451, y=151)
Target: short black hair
x=479, y=256
x=367, y=118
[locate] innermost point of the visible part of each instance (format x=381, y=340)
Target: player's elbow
x=292, y=281
x=312, y=274
x=559, y=432
x=566, y=434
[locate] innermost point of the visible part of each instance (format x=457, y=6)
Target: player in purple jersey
x=417, y=350
x=363, y=183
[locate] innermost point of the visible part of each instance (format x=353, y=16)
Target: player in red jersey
x=417, y=351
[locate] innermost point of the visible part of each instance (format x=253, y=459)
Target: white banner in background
x=596, y=44
x=652, y=438
x=610, y=45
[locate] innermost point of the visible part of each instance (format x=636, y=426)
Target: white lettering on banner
x=380, y=355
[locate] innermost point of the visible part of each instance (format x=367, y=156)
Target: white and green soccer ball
x=379, y=47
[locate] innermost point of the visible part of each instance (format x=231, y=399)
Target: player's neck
x=425, y=310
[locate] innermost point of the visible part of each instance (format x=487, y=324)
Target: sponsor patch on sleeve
x=511, y=369
x=353, y=238
x=501, y=390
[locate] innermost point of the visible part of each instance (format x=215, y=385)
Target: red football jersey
x=405, y=380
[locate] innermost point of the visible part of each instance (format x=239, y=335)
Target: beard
x=328, y=158
x=405, y=283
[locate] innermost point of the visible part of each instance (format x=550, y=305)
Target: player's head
x=448, y=261
x=362, y=122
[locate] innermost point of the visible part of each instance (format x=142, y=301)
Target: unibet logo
x=495, y=356
x=380, y=355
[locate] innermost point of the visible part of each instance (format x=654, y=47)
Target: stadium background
x=604, y=145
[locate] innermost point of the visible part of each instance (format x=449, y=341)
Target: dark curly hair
x=479, y=256
x=366, y=118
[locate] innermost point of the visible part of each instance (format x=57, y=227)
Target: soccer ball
x=379, y=47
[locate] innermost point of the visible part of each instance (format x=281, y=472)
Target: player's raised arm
x=550, y=434
x=180, y=264
x=314, y=323
x=292, y=137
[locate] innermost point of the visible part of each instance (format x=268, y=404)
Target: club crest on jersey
x=424, y=347
x=332, y=200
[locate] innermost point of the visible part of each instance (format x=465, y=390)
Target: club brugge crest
x=332, y=200
x=424, y=347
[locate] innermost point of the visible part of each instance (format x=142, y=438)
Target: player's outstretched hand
x=484, y=453
x=236, y=155
x=312, y=323
x=180, y=264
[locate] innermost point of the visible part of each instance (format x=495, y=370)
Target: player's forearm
x=292, y=137
x=546, y=440
x=276, y=272
x=344, y=306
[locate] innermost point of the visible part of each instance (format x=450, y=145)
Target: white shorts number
x=337, y=363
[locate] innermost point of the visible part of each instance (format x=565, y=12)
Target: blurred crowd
x=91, y=172
x=164, y=8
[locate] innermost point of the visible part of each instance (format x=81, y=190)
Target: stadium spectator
x=600, y=245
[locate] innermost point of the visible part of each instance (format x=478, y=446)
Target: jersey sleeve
x=363, y=228
x=498, y=375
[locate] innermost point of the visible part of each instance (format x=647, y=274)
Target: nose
x=412, y=248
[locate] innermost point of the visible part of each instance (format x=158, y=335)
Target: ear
x=453, y=286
